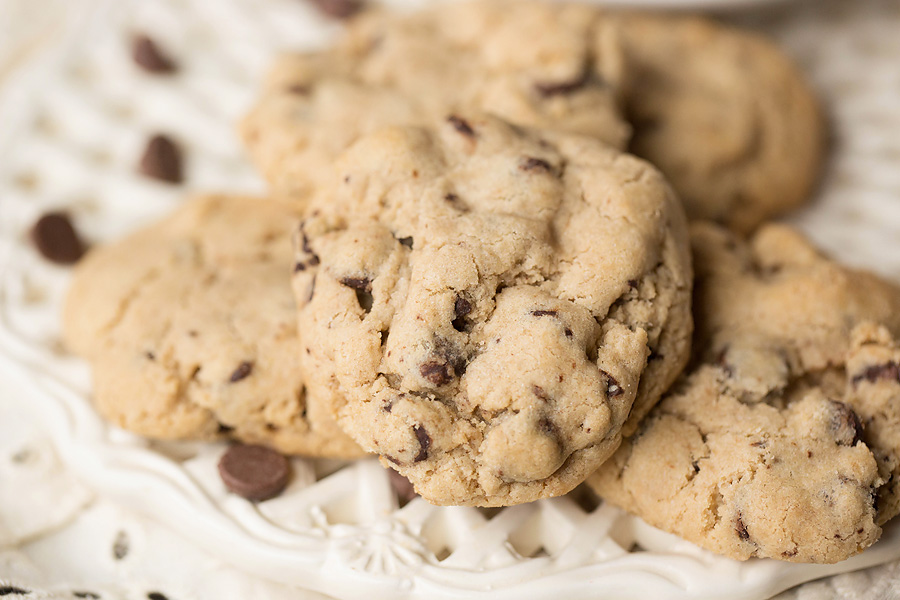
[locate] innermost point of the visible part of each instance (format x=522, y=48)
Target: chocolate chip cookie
x=782, y=439
x=724, y=115
x=485, y=305
x=533, y=63
x=190, y=328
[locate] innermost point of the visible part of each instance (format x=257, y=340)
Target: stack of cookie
x=462, y=270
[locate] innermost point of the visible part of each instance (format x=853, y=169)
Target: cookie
x=782, y=439
x=532, y=63
x=485, y=305
x=724, y=115
x=190, y=329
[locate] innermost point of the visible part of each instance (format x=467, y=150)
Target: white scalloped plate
x=74, y=123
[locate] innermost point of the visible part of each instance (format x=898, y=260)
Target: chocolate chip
x=56, y=239
x=424, y=443
x=540, y=393
x=613, y=388
x=365, y=300
x=530, y=163
x=358, y=283
x=436, y=372
x=568, y=332
x=89, y=595
x=461, y=308
x=6, y=590
x=299, y=267
x=407, y=241
x=741, y=528
x=565, y=87
x=338, y=9
x=224, y=429
x=120, y=546
x=403, y=488
x=149, y=57
x=789, y=553
x=889, y=371
x=451, y=197
x=363, y=287
x=632, y=283
x=162, y=160
x=461, y=125
x=243, y=371
x=156, y=596
x=150, y=356
x=254, y=472
x=696, y=466
x=545, y=313
x=845, y=424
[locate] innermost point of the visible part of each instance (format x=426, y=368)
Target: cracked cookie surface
x=532, y=63
x=190, y=329
x=781, y=440
x=486, y=305
x=724, y=114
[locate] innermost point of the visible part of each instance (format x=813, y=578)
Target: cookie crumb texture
x=190, y=328
x=532, y=63
x=782, y=439
x=485, y=306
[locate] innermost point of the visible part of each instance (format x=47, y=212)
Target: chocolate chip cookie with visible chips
x=783, y=438
x=485, y=305
x=190, y=328
x=532, y=63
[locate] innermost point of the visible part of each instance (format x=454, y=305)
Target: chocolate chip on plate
x=162, y=160
x=254, y=472
x=148, y=56
x=56, y=239
x=339, y=9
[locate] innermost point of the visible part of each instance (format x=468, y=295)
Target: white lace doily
x=75, y=122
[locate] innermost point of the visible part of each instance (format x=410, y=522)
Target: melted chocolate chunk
x=242, y=371
x=55, y=238
x=89, y=595
x=461, y=308
x=162, y=160
x=358, y=283
x=436, y=372
x=613, y=388
x=254, y=472
x=424, y=443
x=461, y=125
x=148, y=56
x=545, y=313
x=889, y=371
x=156, y=596
x=845, y=424
x=530, y=163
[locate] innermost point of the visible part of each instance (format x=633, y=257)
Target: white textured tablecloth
x=851, y=48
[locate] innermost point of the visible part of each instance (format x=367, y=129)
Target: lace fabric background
x=851, y=50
